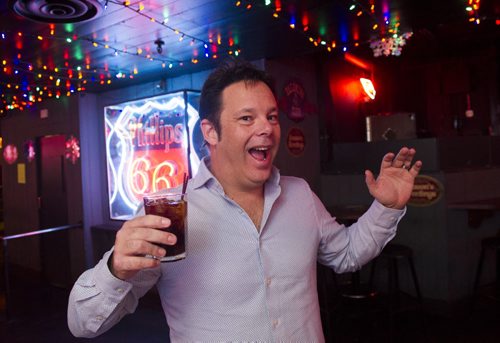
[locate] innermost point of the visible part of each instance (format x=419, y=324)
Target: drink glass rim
x=163, y=195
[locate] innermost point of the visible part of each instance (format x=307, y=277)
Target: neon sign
x=150, y=144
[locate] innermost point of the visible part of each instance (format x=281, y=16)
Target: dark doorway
x=53, y=209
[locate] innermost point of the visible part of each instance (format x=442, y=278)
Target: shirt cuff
x=107, y=282
x=384, y=216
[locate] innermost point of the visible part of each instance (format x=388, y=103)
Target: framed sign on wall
x=150, y=145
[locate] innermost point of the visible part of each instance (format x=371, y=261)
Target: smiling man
x=254, y=236
x=243, y=147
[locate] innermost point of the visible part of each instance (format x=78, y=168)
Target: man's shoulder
x=293, y=181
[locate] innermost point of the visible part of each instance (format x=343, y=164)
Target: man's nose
x=264, y=127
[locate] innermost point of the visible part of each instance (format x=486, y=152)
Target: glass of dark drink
x=174, y=207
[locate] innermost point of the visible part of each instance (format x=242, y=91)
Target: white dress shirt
x=238, y=283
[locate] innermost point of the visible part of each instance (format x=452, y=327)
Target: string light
x=472, y=10
x=163, y=22
x=48, y=79
x=36, y=84
x=355, y=7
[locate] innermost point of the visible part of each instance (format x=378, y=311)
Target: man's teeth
x=259, y=153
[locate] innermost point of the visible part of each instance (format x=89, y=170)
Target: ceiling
x=58, y=47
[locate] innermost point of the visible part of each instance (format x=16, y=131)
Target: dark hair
x=229, y=72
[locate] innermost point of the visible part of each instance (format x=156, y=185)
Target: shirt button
x=268, y=282
x=99, y=318
x=119, y=290
x=275, y=323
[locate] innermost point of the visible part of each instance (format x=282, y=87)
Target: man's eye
x=273, y=118
x=246, y=118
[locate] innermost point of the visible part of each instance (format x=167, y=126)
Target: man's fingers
x=134, y=263
x=387, y=160
x=146, y=234
x=369, y=178
x=147, y=228
x=402, y=158
x=415, y=169
x=136, y=247
x=148, y=221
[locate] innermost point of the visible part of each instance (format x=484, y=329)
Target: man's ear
x=209, y=133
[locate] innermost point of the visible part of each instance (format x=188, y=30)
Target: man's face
x=243, y=152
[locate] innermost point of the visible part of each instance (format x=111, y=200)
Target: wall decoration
x=390, y=45
x=150, y=144
x=295, y=141
x=368, y=88
x=294, y=101
x=426, y=191
x=10, y=154
x=29, y=150
x=21, y=173
x=72, y=149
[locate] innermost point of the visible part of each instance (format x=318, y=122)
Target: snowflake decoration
x=390, y=46
x=72, y=149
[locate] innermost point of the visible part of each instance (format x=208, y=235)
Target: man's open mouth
x=259, y=153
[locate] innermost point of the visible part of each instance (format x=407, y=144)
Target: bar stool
x=356, y=306
x=487, y=244
x=394, y=301
x=393, y=253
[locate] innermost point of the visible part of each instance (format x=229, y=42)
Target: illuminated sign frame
x=150, y=144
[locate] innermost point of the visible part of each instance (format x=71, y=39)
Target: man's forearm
x=99, y=300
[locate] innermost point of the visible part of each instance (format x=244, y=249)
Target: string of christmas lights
x=31, y=84
x=210, y=48
x=472, y=10
x=32, y=88
x=388, y=30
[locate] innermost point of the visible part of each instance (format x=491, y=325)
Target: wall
x=344, y=108
x=434, y=88
x=306, y=164
x=20, y=200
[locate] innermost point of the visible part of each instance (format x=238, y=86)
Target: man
x=254, y=236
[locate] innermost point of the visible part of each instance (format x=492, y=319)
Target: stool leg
x=390, y=277
x=415, y=280
x=498, y=267
x=478, y=270
x=372, y=273
x=396, y=277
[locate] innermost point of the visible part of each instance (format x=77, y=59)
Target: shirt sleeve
x=99, y=300
x=347, y=249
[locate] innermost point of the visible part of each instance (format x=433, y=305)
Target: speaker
x=58, y=11
x=390, y=127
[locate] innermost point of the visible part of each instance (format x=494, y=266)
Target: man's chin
x=261, y=176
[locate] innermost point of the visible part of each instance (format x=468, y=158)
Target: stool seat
x=393, y=253
x=397, y=251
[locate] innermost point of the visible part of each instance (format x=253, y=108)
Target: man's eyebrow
x=244, y=111
x=251, y=110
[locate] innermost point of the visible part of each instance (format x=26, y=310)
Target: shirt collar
x=205, y=177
